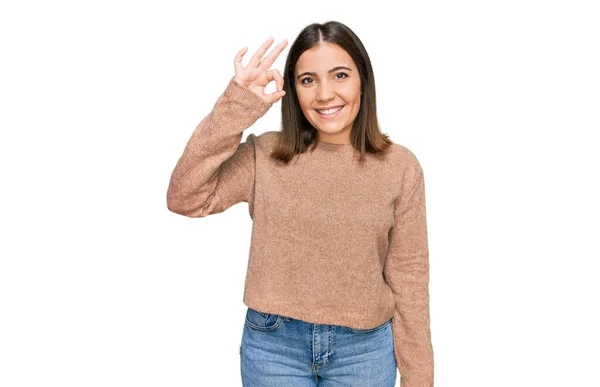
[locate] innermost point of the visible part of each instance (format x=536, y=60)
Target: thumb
x=276, y=96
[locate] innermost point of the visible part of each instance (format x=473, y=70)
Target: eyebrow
x=330, y=71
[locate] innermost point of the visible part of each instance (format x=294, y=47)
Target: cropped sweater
x=333, y=241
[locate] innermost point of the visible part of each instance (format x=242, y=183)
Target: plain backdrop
x=101, y=285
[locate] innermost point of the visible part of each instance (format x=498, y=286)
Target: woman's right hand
x=256, y=75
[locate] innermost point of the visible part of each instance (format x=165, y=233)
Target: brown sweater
x=333, y=241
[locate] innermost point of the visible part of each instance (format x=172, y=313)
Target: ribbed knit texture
x=333, y=241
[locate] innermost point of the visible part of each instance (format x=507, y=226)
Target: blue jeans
x=281, y=351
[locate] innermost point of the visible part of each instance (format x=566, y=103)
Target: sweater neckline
x=333, y=146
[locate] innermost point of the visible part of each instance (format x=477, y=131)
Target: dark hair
x=297, y=134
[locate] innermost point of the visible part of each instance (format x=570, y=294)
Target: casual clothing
x=282, y=351
x=334, y=242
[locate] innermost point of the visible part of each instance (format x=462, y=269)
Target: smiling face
x=326, y=77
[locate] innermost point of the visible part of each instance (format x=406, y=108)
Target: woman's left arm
x=407, y=273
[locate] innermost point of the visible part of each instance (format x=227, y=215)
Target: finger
x=276, y=75
x=237, y=62
x=275, y=96
x=259, y=54
x=270, y=59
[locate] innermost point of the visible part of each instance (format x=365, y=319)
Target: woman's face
x=326, y=77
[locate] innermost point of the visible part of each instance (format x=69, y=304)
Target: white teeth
x=330, y=111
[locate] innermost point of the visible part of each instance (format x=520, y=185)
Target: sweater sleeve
x=407, y=273
x=215, y=170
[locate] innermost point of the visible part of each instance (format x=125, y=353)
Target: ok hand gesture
x=256, y=75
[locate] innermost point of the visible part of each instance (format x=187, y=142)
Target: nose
x=325, y=92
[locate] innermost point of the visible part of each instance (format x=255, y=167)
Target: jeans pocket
x=260, y=321
x=370, y=330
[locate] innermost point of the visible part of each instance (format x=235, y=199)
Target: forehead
x=322, y=58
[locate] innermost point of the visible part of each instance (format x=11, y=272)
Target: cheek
x=350, y=93
x=305, y=101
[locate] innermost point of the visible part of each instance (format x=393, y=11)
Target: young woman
x=337, y=280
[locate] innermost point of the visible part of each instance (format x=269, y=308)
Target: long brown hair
x=297, y=134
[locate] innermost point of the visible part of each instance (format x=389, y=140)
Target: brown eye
x=302, y=81
x=344, y=74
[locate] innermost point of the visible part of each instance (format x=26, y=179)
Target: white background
x=101, y=285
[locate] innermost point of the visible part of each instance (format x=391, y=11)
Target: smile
x=329, y=112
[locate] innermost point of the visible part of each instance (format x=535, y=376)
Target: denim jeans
x=281, y=351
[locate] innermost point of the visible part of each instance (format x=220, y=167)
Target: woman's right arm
x=216, y=170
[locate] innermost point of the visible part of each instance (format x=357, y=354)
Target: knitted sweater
x=333, y=241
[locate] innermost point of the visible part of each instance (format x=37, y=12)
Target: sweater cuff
x=237, y=92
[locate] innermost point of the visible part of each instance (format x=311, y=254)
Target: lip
x=328, y=107
x=331, y=116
